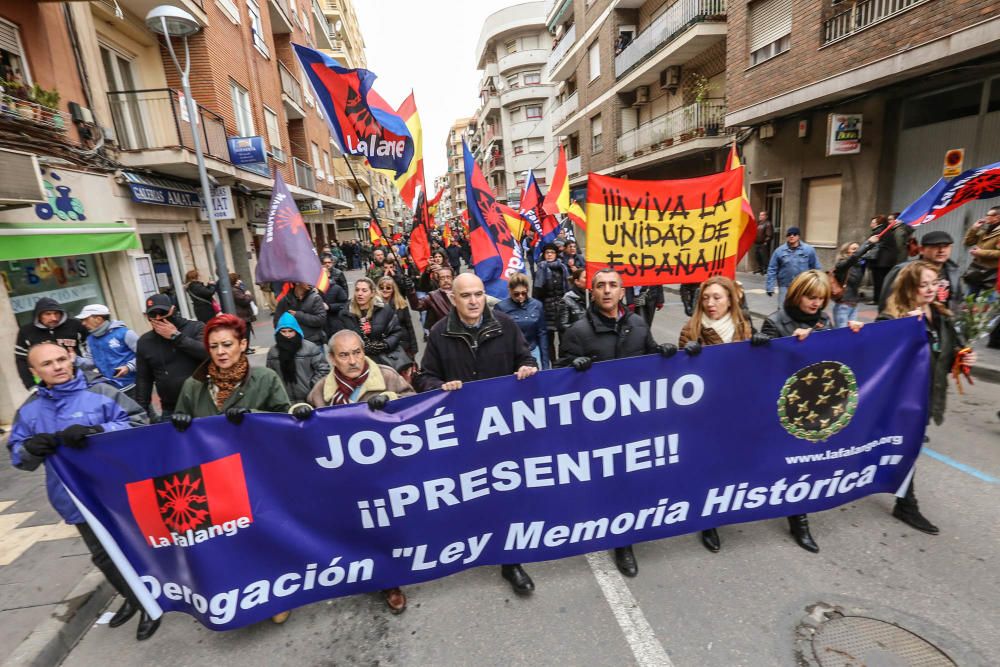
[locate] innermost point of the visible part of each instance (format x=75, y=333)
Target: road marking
x=958, y=465
x=15, y=541
x=638, y=633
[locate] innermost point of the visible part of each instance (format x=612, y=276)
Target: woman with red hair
x=226, y=384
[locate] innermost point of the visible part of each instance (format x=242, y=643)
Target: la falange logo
x=193, y=505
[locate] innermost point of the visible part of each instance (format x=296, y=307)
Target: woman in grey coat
x=298, y=362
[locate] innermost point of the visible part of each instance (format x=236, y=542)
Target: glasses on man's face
x=156, y=317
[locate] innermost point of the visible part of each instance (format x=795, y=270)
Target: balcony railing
x=290, y=85
x=573, y=166
x=669, y=25
x=304, y=176
x=695, y=120
x=158, y=118
x=565, y=110
x=862, y=15
x=559, y=51
x=33, y=114
x=494, y=162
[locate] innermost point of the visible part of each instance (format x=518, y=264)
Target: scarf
x=346, y=385
x=226, y=380
x=287, y=348
x=804, y=318
x=724, y=326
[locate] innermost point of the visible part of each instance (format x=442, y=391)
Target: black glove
x=235, y=415
x=693, y=348
x=759, y=339
x=302, y=411
x=41, y=444
x=181, y=421
x=378, y=402
x=75, y=434
x=582, y=363
x=666, y=350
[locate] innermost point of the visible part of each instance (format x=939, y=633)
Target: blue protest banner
x=233, y=524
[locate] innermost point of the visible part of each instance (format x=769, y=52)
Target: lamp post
x=172, y=22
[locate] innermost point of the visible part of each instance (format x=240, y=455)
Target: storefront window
x=72, y=281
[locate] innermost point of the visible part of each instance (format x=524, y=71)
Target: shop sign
x=310, y=206
x=843, y=134
x=249, y=154
x=223, y=205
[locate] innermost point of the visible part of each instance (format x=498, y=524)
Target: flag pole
x=371, y=209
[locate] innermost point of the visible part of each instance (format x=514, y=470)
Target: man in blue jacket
x=64, y=410
x=111, y=347
x=789, y=260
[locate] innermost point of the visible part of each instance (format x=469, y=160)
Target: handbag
x=394, y=359
x=979, y=277
x=254, y=309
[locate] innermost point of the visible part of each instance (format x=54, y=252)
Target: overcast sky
x=428, y=46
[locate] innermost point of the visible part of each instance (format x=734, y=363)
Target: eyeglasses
x=156, y=317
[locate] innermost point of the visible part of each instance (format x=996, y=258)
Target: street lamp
x=172, y=22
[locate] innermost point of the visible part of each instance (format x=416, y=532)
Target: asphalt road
x=687, y=606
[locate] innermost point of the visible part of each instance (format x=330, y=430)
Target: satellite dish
x=338, y=25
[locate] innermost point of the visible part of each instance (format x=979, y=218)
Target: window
x=274, y=135
x=529, y=42
x=770, y=29
x=125, y=108
x=513, y=81
x=335, y=148
x=946, y=105
x=823, y=211
x=518, y=147
x=594, y=56
x=536, y=144
x=510, y=46
x=533, y=111
x=326, y=164
x=315, y=156
x=596, y=141
x=257, y=28
x=13, y=66
x=241, y=109
x=532, y=78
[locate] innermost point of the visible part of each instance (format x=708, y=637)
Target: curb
x=52, y=640
x=981, y=372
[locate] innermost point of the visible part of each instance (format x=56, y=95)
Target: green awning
x=28, y=240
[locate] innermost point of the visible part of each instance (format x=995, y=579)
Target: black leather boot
x=625, y=561
x=518, y=578
x=907, y=510
x=710, y=538
x=124, y=613
x=147, y=627
x=799, y=526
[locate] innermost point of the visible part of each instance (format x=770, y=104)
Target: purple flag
x=287, y=253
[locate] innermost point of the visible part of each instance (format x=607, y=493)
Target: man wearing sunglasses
x=167, y=355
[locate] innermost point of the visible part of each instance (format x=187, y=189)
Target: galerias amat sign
x=223, y=205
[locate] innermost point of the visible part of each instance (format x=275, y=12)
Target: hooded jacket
x=52, y=409
x=69, y=333
x=112, y=346
x=310, y=362
x=310, y=311
x=167, y=363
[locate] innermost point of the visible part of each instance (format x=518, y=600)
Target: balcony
x=493, y=163
x=291, y=93
x=23, y=114
x=695, y=120
x=670, y=25
x=521, y=94
x=863, y=14
x=281, y=22
x=304, y=176
x=321, y=27
x=522, y=59
x=565, y=110
x=557, y=61
x=150, y=125
x=573, y=166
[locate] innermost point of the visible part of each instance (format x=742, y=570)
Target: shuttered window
x=823, y=211
x=770, y=28
x=12, y=65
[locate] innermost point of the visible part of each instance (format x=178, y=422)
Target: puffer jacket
x=530, y=319
x=385, y=381
x=602, y=339
x=202, y=295
x=69, y=333
x=384, y=335
x=261, y=391
x=575, y=307
x=52, y=409
x=310, y=312
x=310, y=363
x=780, y=324
x=551, y=283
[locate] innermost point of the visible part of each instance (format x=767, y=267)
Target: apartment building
x=99, y=193
x=640, y=87
x=461, y=129
x=851, y=106
x=513, y=125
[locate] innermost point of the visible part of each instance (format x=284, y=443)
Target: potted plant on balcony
x=17, y=98
x=49, y=102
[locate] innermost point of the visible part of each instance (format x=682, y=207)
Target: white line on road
x=638, y=633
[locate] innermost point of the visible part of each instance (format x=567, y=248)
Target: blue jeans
x=842, y=313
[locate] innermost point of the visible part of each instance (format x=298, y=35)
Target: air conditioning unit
x=641, y=96
x=670, y=78
x=20, y=179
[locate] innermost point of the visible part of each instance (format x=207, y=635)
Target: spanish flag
x=375, y=234
x=746, y=211
x=663, y=232
x=557, y=200
x=414, y=175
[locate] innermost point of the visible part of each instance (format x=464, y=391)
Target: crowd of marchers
x=89, y=373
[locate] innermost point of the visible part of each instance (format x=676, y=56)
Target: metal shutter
x=8, y=38
x=770, y=20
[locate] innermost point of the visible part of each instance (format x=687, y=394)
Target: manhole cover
x=857, y=641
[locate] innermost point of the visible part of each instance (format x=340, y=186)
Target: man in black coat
x=476, y=343
x=609, y=331
x=307, y=307
x=49, y=322
x=167, y=355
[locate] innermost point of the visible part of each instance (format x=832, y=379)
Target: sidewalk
x=761, y=305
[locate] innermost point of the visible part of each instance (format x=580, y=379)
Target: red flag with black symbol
x=193, y=499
